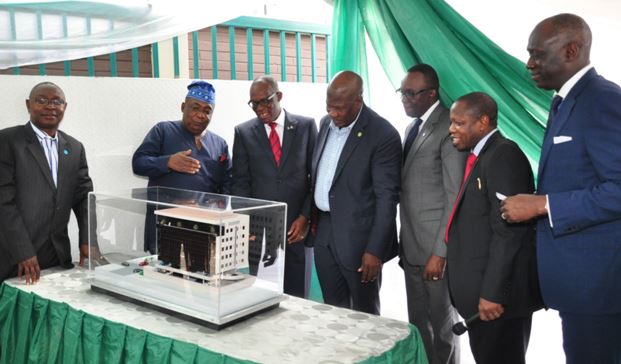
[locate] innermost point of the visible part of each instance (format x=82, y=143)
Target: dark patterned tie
x=275, y=143
x=556, y=102
x=411, y=136
x=554, y=107
x=469, y=164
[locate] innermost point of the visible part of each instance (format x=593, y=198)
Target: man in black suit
x=490, y=262
x=43, y=176
x=356, y=176
x=272, y=161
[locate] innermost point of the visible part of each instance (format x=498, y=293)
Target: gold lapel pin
x=479, y=183
x=359, y=134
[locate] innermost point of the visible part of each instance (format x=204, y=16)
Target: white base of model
x=215, y=302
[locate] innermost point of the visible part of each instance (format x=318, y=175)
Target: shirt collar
x=41, y=134
x=348, y=127
x=569, y=84
x=477, y=148
x=280, y=120
x=425, y=116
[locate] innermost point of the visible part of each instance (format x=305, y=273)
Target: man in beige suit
x=431, y=176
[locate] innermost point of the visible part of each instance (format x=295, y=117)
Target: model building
x=201, y=241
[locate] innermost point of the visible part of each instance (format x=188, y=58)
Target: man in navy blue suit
x=578, y=201
x=355, y=177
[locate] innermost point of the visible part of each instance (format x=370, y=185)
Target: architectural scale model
x=201, y=271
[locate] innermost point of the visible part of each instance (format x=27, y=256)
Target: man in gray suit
x=43, y=176
x=430, y=179
x=272, y=161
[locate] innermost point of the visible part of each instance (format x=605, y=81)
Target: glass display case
x=212, y=259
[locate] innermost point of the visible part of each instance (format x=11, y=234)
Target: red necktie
x=275, y=143
x=469, y=163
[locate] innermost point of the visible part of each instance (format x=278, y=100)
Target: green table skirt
x=34, y=329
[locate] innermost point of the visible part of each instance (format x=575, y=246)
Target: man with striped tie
x=43, y=176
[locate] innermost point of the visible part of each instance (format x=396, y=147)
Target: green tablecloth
x=60, y=320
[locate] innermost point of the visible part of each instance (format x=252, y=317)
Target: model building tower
x=265, y=224
x=204, y=241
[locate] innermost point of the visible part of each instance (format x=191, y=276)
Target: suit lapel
x=425, y=132
x=35, y=148
x=563, y=115
x=427, y=129
x=321, y=143
x=491, y=141
x=64, y=152
x=355, y=137
x=262, y=138
x=288, y=136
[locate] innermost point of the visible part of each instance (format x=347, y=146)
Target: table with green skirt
x=61, y=320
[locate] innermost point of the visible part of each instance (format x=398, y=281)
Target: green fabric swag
x=37, y=330
x=407, y=32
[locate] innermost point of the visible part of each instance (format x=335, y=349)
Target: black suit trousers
x=500, y=341
x=295, y=269
x=340, y=286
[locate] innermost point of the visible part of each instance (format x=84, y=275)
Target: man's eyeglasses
x=263, y=102
x=409, y=94
x=45, y=101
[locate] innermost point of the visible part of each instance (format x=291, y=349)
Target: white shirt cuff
x=549, y=212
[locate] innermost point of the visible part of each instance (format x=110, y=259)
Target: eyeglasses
x=45, y=101
x=263, y=102
x=409, y=94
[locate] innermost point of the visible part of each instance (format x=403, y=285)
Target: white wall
x=111, y=116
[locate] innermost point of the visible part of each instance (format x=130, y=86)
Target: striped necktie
x=275, y=143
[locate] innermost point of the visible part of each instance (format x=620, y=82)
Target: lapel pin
x=290, y=127
x=66, y=151
x=479, y=183
x=359, y=135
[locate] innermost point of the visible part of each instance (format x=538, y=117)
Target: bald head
x=272, y=85
x=559, y=47
x=344, y=98
x=45, y=84
x=480, y=104
x=573, y=28
x=346, y=82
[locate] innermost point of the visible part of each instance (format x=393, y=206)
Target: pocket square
x=562, y=139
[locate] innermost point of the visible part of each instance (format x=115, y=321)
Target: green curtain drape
x=406, y=32
x=348, y=41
